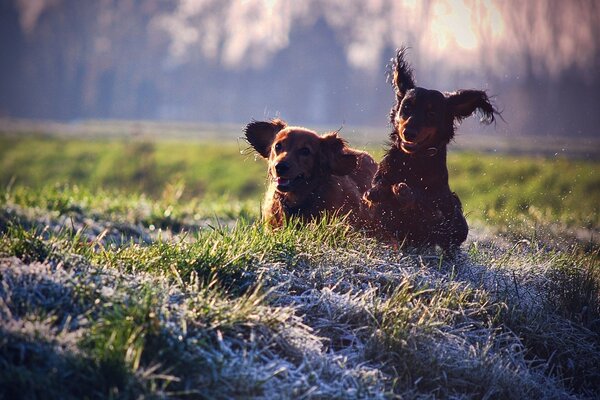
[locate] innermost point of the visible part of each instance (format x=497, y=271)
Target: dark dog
x=410, y=197
x=310, y=174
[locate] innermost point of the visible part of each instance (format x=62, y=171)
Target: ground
x=151, y=279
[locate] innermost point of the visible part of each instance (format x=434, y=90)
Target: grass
x=504, y=187
x=136, y=166
x=318, y=310
x=117, y=285
x=504, y=190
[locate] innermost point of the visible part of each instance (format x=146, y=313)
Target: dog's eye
x=304, y=151
x=277, y=147
x=406, y=108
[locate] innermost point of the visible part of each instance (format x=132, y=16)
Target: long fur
x=410, y=198
x=309, y=174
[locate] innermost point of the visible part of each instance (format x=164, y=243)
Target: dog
x=410, y=197
x=309, y=174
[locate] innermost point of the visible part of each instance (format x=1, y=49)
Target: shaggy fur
x=310, y=174
x=410, y=197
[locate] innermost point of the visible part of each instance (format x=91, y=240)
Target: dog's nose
x=281, y=167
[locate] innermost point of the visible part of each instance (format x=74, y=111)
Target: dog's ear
x=260, y=134
x=336, y=158
x=401, y=74
x=463, y=103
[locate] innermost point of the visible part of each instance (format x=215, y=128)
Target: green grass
x=504, y=188
x=136, y=269
x=270, y=308
x=205, y=168
x=501, y=189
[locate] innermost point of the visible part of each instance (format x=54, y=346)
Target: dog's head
x=299, y=158
x=424, y=118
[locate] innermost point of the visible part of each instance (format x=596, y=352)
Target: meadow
x=138, y=266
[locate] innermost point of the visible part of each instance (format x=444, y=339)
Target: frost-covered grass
x=97, y=301
x=136, y=269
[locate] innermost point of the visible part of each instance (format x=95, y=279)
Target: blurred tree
x=316, y=62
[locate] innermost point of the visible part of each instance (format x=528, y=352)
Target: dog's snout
x=281, y=167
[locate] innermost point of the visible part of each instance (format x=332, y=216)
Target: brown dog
x=410, y=197
x=310, y=174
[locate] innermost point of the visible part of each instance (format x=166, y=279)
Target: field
x=136, y=266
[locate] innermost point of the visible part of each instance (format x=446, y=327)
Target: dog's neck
x=434, y=155
x=293, y=204
x=438, y=152
x=431, y=151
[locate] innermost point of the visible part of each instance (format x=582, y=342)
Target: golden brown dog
x=310, y=174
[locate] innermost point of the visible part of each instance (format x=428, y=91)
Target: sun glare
x=451, y=24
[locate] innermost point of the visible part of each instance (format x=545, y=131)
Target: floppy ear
x=336, y=158
x=260, y=134
x=463, y=103
x=401, y=75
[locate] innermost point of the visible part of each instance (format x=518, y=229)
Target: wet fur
x=410, y=198
x=333, y=176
